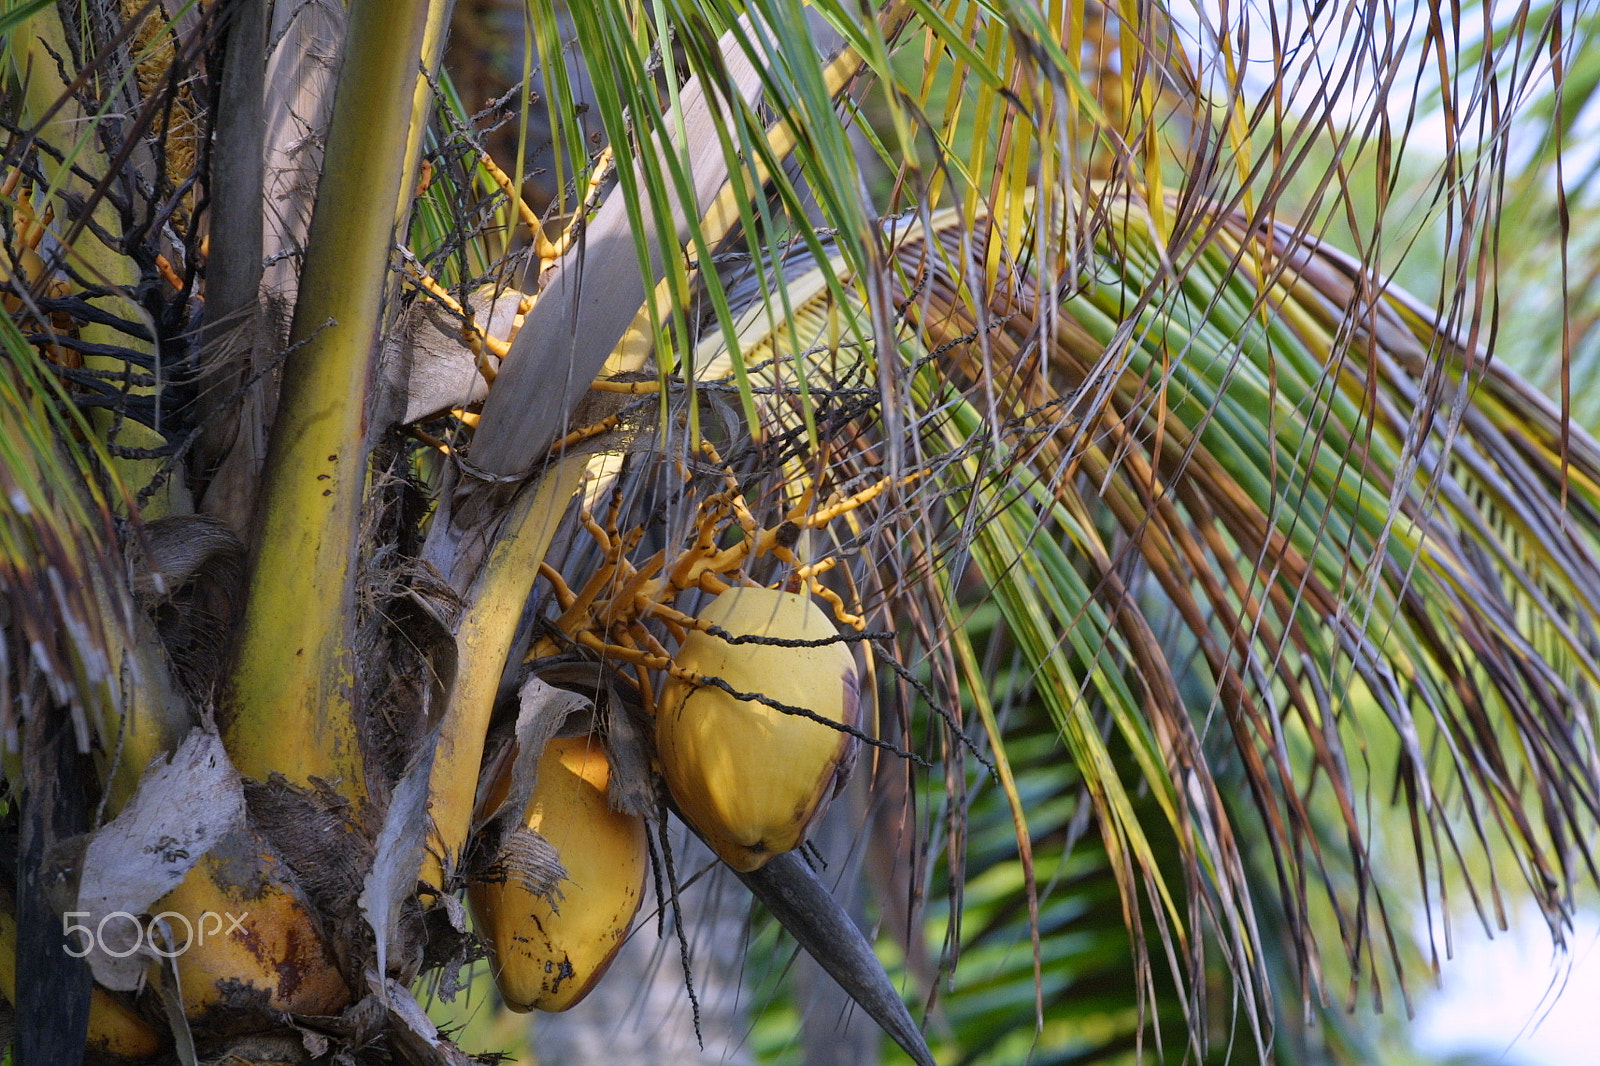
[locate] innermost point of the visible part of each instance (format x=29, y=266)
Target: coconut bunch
x=303, y=723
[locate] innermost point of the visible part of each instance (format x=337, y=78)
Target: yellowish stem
x=291, y=692
x=484, y=638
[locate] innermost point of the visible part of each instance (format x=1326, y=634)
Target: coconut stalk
x=434, y=33
x=484, y=640
x=291, y=689
x=291, y=692
x=113, y=1028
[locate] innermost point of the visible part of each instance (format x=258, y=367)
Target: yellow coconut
x=548, y=956
x=750, y=776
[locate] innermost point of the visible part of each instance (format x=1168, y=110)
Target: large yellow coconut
x=549, y=957
x=751, y=777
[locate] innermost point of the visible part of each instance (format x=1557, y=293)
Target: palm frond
x=1363, y=527
x=62, y=573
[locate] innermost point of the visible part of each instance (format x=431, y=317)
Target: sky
x=1514, y=999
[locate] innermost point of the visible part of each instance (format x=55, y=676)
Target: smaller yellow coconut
x=114, y=1029
x=549, y=957
x=750, y=777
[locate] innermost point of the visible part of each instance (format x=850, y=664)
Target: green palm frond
x=61, y=567
x=1345, y=507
